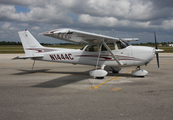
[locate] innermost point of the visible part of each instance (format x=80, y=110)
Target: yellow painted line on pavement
x=8, y=64
x=116, y=89
x=114, y=78
x=117, y=78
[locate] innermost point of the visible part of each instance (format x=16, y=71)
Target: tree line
x=10, y=43
x=153, y=44
x=19, y=43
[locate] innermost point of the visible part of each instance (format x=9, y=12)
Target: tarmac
x=58, y=91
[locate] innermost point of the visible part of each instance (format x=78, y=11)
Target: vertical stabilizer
x=30, y=44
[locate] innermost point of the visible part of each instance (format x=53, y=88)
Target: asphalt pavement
x=58, y=91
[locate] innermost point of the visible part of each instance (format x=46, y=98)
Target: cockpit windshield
x=82, y=48
x=122, y=44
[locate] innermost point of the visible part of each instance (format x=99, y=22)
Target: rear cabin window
x=110, y=45
x=94, y=48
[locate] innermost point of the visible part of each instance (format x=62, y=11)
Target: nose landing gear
x=139, y=72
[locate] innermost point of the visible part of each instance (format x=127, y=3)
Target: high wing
x=71, y=35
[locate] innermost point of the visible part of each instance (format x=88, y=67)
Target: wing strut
x=98, y=56
x=116, y=59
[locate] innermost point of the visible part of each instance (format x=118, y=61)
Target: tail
x=30, y=44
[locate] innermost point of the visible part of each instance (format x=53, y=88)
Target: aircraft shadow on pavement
x=69, y=79
x=60, y=81
x=65, y=80
x=47, y=71
x=30, y=71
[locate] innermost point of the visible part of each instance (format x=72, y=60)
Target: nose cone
x=158, y=50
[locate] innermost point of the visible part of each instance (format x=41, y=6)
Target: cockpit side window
x=92, y=48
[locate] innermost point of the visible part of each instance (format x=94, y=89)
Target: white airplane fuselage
x=129, y=56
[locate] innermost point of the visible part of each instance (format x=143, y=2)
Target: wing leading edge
x=71, y=35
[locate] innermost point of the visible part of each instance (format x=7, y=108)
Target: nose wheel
x=138, y=67
x=139, y=72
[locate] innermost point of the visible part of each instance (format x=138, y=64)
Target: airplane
x=105, y=52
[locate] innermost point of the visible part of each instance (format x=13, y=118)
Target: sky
x=115, y=18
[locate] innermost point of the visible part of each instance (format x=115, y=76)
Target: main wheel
x=99, y=77
x=114, y=71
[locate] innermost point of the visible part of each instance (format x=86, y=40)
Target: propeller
x=157, y=50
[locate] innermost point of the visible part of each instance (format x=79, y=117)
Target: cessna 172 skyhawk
x=109, y=53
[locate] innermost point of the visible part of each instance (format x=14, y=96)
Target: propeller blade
x=156, y=49
x=157, y=57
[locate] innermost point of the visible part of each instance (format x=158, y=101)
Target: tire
x=113, y=71
x=99, y=77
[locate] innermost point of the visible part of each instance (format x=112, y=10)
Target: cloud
x=168, y=24
x=114, y=23
x=121, y=9
x=6, y=26
x=160, y=4
x=35, y=28
x=13, y=28
x=98, y=8
x=18, y=2
x=48, y=14
x=101, y=21
x=89, y=15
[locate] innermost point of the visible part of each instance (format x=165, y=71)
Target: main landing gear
x=98, y=74
x=139, y=72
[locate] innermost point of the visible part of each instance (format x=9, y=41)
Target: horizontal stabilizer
x=27, y=57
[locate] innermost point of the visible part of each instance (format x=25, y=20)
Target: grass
x=5, y=49
x=11, y=49
x=166, y=49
